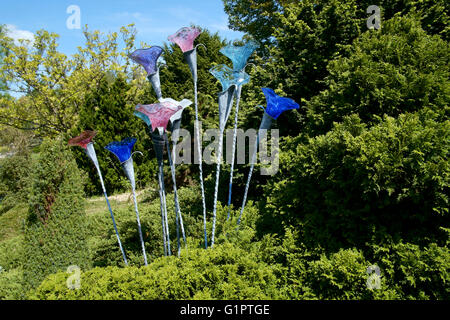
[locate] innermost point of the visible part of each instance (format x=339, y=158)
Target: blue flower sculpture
x=239, y=54
x=147, y=58
x=228, y=77
x=276, y=104
x=122, y=149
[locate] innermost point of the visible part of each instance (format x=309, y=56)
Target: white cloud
x=17, y=34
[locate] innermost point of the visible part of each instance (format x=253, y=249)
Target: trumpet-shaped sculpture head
x=143, y=117
x=83, y=139
x=147, y=58
x=158, y=114
x=228, y=77
x=122, y=149
x=276, y=104
x=185, y=37
x=239, y=54
x=183, y=104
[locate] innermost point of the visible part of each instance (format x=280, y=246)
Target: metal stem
x=162, y=215
x=216, y=189
x=264, y=126
x=112, y=217
x=230, y=186
x=161, y=171
x=178, y=217
x=200, y=166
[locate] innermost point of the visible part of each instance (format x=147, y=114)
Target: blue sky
x=154, y=19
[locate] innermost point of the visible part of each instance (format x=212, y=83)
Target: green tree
x=355, y=186
x=395, y=70
x=3, y=86
x=109, y=112
x=261, y=18
x=54, y=95
x=55, y=231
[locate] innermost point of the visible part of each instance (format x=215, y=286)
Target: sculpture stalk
x=92, y=155
x=233, y=152
x=265, y=125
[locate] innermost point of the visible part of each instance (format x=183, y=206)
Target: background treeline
x=363, y=179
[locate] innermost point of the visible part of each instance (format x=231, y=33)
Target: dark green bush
x=14, y=180
x=103, y=241
x=55, y=233
x=11, y=284
x=224, y=272
x=394, y=70
x=415, y=272
x=355, y=185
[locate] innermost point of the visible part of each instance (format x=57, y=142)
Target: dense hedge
x=272, y=268
x=225, y=272
x=55, y=231
x=387, y=72
x=358, y=185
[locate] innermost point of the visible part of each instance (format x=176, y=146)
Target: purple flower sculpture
x=148, y=58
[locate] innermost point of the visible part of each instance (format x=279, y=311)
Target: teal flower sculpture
x=122, y=150
x=229, y=77
x=230, y=80
x=276, y=105
x=239, y=54
x=84, y=140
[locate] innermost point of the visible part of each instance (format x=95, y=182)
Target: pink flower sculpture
x=159, y=113
x=83, y=139
x=185, y=37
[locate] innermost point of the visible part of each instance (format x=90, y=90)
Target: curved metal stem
x=92, y=155
x=264, y=126
x=139, y=227
x=114, y=222
x=162, y=215
x=233, y=152
x=161, y=172
x=216, y=188
x=200, y=166
x=178, y=217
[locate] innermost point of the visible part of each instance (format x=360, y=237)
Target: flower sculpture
x=148, y=58
x=175, y=120
x=122, y=150
x=84, y=140
x=275, y=106
x=230, y=80
x=157, y=116
x=239, y=56
x=184, y=38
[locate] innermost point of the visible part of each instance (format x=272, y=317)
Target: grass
x=11, y=222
